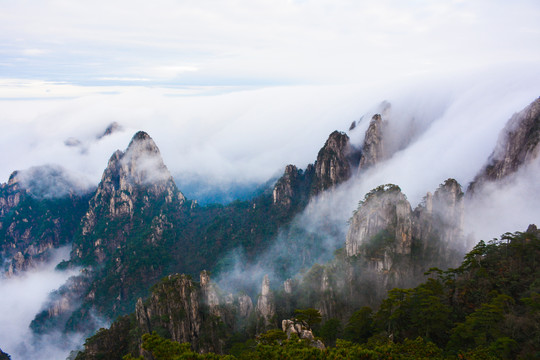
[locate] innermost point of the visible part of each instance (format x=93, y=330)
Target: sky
x=232, y=91
x=63, y=48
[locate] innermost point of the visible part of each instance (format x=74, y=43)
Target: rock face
x=40, y=209
x=210, y=295
x=175, y=305
x=384, y=230
x=333, y=165
x=180, y=309
x=292, y=327
x=111, y=129
x=385, y=214
x=373, y=150
x=440, y=219
x=517, y=145
x=133, y=182
x=266, y=308
x=292, y=189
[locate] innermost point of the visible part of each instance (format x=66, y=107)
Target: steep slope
x=182, y=310
x=373, y=150
x=517, y=146
x=40, y=210
x=335, y=162
x=334, y=165
x=134, y=190
x=384, y=229
x=122, y=241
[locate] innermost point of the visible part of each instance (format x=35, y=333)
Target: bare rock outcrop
x=373, y=150
x=174, y=305
x=291, y=327
x=133, y=182
x=266, y=307
x=518, y=145
x=40, y=209
x=289, y=189
x=333, y=165
x=400, y=243
x=382, y=221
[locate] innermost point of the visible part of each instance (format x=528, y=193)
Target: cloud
x=51, y=181
x=22, y=298
x=455, y=130
x=505, y=207
x=264, y=42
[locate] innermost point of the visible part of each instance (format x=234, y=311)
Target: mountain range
x=139, y=243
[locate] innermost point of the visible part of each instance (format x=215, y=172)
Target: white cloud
x=22, y=298
x=262, y=41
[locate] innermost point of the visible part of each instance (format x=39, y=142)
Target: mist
x=23, y=296
x=432, y=134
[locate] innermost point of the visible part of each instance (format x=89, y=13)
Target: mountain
x=137, y=227
x=40, y=209
x=517, y=146
x=136, y=188
x=4, y=356
x=467, y=311
x=128, y=226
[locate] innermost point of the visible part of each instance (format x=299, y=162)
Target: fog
x=233, y=93
x=436, y=134
x=22, y=298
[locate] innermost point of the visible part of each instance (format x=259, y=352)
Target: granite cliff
x=40, y=209
x=516, y=147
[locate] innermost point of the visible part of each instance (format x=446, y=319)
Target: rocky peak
x=140, y=166
x=286, y=187
x=333, y=165
x=10, y=194
x=373, y=150
x=209, y=291
x=448, y=201
x=517, y=145
x=173, y=305
x=133, y=183
x=111, y=129
x=438, y=222
x=39, y=210
x=293, y=327
x=266, y=308
x=382, y=222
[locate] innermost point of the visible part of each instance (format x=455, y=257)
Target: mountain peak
x=373, y=150
x=517, y=146
x=141, y=135
x=140, y=165
x=141, y=142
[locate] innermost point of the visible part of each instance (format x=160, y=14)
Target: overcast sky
x=228, y=87
x=254, y=43
x=233, y=90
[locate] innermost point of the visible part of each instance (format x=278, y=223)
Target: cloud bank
x=260, y=42
x=22, y=298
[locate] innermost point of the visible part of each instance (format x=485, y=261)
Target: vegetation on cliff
x=487, y=308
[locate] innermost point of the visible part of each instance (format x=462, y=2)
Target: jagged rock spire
x=373, y=150
x=333, y=165
x=266, y=308
x=134, y=178
x=387, y=210
x=518, y=144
